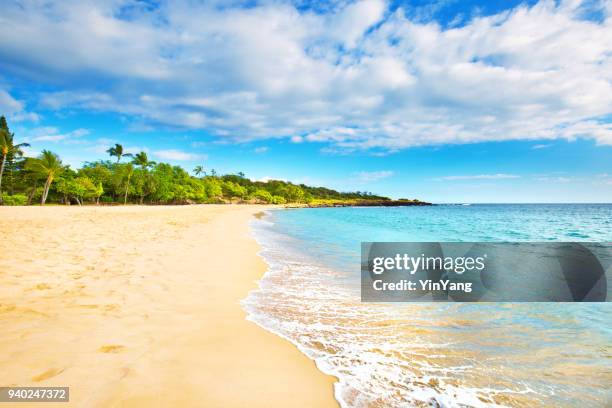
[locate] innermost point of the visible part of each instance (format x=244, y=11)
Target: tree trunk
x=127, y=187
x=46, y=190
x=2, y=172
x=31, y=195
x=12, y=178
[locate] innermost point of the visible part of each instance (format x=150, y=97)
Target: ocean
x=433, y=354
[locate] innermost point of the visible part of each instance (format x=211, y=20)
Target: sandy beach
x=140, y=306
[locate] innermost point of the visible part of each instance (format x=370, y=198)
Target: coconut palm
x=8, y=148
x=117, y=151
x=141, y=159
x=198, y=170
x=49, y=165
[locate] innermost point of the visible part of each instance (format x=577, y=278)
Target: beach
x=140, y=306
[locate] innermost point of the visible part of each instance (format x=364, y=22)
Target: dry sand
x=139, y=306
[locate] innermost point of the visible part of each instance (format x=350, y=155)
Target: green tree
x=79, y=188
x=97, y=192
x=101, y=175
x=49, y=165
x=262, y=195
x=141, y=159
x=214, y=192
x=233, y=190
x=143, y=184
x=142, y=178
x=199, y=170
x=8, y=148
x=278, y=200
x=162, y=176
x=127, y=172
x=117, y=151
x=31, y=179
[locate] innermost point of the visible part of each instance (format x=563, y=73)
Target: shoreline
x=306, y=297
x=140, y=305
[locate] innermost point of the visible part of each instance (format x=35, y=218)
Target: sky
x=445, y=101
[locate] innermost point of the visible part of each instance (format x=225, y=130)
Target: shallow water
x=425, y=354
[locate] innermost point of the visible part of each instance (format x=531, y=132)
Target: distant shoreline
x=362, y=203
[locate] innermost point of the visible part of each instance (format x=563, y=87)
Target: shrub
x=262, y=195
x=17, y=199
x=278, y=200
x=233, y=190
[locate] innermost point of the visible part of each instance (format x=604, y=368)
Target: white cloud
x=178, y=155
x=372, y=176
x=350, y=23
x=498, y=176
x=603, y=179
x=261, y=149
x=135, y=149
x=358, y=77
x=265, y=179
x=52, y=134
x=8, y=104
x=14, y=109
x=557, y=179
x=540, y=146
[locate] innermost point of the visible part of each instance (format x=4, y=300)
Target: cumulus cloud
x=372, y=176
x=359, y=76
x=265, y=179
x=178, y=155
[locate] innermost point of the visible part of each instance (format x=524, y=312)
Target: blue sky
x=447, y=101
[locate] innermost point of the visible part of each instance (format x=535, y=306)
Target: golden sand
x=140, y=306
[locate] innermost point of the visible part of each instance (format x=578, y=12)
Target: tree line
x=133, y=178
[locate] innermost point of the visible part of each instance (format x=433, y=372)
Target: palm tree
x=8, y=148
x=141, y=159
x=49, y=165
x=117, y=151
x=199, y=170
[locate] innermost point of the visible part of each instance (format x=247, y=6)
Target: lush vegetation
x=127, y=178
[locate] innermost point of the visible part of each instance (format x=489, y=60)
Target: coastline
x=140, y=305
x=440, y=354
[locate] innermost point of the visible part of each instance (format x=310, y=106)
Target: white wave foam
x=365, y=346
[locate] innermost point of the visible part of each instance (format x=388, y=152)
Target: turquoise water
x=335, y=233
x=429, y=354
